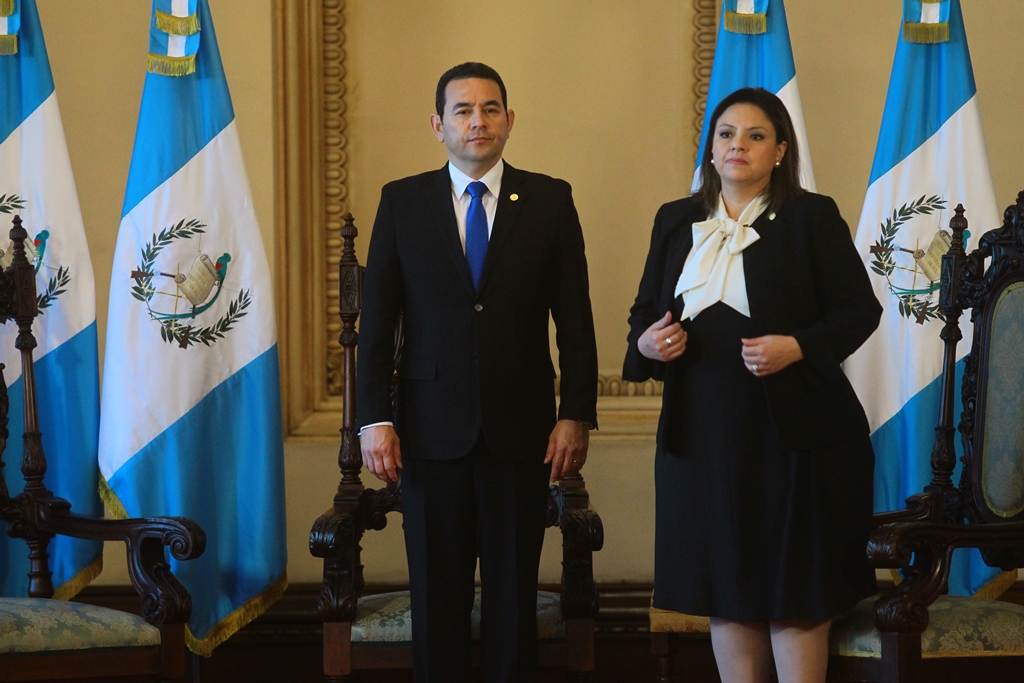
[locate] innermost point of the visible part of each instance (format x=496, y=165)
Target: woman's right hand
x=664, y=340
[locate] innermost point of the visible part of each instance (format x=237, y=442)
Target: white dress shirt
x=713, y=270
x=461, y=199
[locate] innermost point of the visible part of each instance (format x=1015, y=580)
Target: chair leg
x=579, y=634
x=664, y=646
x=338, y=651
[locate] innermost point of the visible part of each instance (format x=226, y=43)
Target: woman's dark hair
x=461, y=72
x=785, y=180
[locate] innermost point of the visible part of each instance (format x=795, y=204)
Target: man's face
x=475, y=125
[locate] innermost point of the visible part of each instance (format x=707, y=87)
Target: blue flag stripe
x=70, y=427
x=178, y=117
x=239, y=423
x=745, y=61
x=929, y=84
x=25, y=77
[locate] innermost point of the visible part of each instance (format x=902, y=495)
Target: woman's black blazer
x=804, y=279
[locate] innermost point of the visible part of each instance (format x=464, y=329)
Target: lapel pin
x=513, y=197
x=771, y=216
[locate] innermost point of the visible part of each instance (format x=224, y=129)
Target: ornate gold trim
x=705, y=13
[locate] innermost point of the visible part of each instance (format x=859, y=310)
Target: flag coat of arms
x=191, y=421
x=930, y=157
x=753, y=51
x=36, y=183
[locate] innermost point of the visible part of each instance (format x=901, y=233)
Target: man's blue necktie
x=476, y=231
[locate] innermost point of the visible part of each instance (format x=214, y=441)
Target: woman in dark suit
x=751, y=297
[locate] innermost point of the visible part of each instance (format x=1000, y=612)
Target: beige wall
x=603, y=95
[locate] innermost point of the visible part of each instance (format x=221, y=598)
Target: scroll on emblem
x=201, y=278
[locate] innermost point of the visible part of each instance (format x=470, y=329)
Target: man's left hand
x=567, y=448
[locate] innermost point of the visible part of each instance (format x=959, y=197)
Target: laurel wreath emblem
x=911, y=306
x=172, y=331
x=56, y=285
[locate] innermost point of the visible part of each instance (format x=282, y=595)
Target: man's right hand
x=381, y=451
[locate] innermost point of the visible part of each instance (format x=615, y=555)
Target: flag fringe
x=8, y=45
x=999, y=584
x=6, y=8
x=83, y=578
x=750, y=24
x=931, y=2
x=171, y=66
x=917, y=32
x=111, y=500
x=233, y=622
x=176, y=26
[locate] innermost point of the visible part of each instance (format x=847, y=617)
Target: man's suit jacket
x=803, y=278
x=473, y=360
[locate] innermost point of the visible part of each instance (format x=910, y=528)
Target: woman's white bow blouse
x=713, y=270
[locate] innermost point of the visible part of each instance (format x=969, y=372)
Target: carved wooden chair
x=913, y=632
x=45, y=639
x=374, y=632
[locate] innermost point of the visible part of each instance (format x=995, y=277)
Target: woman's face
x=744, y=149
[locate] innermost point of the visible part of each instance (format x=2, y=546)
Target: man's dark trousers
x=475, y=505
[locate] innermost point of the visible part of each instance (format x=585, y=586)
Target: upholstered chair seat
x=386, y=618
x=34, y=625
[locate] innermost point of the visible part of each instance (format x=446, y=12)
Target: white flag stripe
x=146, y=393
x=790, y=96
x=42, y=176
x=937, y=167
x=930, y=13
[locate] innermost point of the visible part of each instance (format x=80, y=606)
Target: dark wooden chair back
x=37, y=515
x=336, y=535
x=986, y=509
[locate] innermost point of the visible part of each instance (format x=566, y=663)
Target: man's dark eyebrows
x=489, y=103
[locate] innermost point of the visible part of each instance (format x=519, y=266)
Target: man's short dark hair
x=464, y=71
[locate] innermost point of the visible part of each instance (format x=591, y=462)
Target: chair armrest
x=924, y=551
x=582, y=536
x=920, y=507
x=335, y=537
x=164, y=599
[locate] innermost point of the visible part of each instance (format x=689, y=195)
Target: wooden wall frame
x=310, y=202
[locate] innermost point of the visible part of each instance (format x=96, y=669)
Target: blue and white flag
x=191, y=420
x=930, y=157
x=36, y=182
x=749, y=59
x=10, y=23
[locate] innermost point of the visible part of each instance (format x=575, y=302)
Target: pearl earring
x=778, y=163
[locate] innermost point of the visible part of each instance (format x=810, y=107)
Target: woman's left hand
x=771, y=353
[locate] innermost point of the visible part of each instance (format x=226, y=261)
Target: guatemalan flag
x=753, y=51
x=930, y=157
x=191, y=420
x=36, y=183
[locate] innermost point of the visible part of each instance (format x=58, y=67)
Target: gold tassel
x=233, y=622
x=930, y=2
x=76, y=583
x=917, y=32
x=6, y=8
x=751, y=24
x=171, y=66
x=9, y=45
x=110, y=499
x=176, y=26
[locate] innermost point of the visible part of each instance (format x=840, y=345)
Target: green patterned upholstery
x=38, y=625
x=1002, y=456
x=385, y=618
x=957, y=627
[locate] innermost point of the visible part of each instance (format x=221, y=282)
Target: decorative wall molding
x=705, y=14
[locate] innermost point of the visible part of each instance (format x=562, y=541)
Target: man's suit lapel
x=440, y=192
x=505, y=218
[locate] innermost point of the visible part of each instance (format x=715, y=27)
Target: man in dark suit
x=475, y=257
